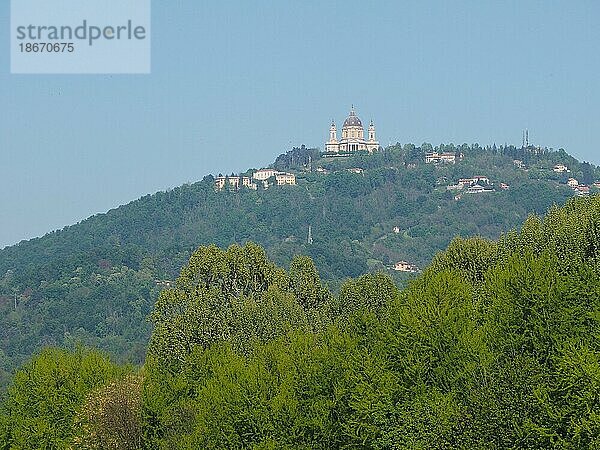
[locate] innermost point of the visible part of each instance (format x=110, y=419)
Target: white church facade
x=353, y=137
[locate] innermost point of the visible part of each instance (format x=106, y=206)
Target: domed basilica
x=353, y=137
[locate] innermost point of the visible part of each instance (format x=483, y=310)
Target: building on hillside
x=403, y=266
x=448, y=157
x=234, y=182
x=356, y=170
x=519, y=164
x=596, y=184
x=264, y=174
x=465, y=182
x=353, y=136
x=283, y=178
x=582, y=190
x=561, y=168
x=435, y=158
x=432, y=157
x=504, y=186
x=220, y=182
x=481, y=180
x=572, y=182
x=479, y=189
x=475, y=189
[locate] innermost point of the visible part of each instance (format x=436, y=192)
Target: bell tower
x=332, y=145
x=332, y=133
x=372, y=132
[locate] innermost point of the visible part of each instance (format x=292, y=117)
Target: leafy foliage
x=46, y=393
x=494, y=346
x=111, y=417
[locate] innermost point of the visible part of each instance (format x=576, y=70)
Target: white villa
x=234, y=182
x=435, y=158
x=403, y=266
x=561, y=168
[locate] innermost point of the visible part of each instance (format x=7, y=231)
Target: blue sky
x=235, y=83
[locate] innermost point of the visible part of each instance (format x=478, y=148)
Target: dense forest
x=94, y=283
x=494, y=345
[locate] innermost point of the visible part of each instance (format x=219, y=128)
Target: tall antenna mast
x=527, y=137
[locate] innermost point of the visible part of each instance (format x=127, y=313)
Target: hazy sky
x=235, y=83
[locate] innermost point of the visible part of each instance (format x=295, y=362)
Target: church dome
x=352, y=120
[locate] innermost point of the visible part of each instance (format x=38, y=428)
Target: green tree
x=47, y=392
x=111, y=417
x=305, y=283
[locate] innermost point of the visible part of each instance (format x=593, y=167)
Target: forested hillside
x=96, y=282
x=495, y=345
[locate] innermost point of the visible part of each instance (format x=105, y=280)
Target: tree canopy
x=494, y=345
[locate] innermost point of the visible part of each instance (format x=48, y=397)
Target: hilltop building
x=403, y=266
x=281, y=178
x=356, y=170
x=262, y=176
x=234, y=182
x=463, y=183
x=476, y=185
x=353, y=136
x=435, y=158
x=561, y=168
